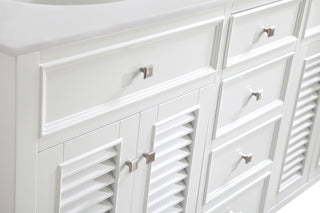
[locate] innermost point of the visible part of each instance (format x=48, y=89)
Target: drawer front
x=239, y=155
x=248, y=201
x=78, y=83
x=247, y=92
x=255, y=28
x=314, y=16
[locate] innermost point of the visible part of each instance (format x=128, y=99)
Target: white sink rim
x=68, y=2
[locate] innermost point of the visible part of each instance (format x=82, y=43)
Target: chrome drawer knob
x=258, y=94
x=133, y=165
x=150, y=157
x=269, y=30
x=247, y=158
x=147, y=71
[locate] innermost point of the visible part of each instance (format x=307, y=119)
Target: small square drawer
x=248, y=200
x=239, y=156
x=249, y=91
x=254, y=30
x=125, y=71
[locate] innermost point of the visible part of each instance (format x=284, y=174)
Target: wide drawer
x=252, y=31
x=239, y=155
x=115, y=73
x=251, y=90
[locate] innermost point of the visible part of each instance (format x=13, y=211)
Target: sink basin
x=69, y=2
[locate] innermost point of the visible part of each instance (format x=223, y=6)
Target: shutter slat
x=295, y=154
x=303, y=118
x=171, y=147
x=293, y=163
x=102, y=207
x=292, y=171
x=180, y=121
x=175, y=178
x=170, y=158
x=81, y=192
x=173, y=134
x=86, y=175
x=298, y=137
x=89, y=201
x=297, y=145
x=163, y=194
x=89, y=162
x=309, y=90
x=171, y=169
x=167, y=203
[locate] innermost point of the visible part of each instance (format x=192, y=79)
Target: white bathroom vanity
x=145, y=106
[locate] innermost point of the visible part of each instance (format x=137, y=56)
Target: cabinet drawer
x=261, y=26
x=313, y=25
x=238, y=156
x=113, y=74
x=253, y=89
x=247, y=201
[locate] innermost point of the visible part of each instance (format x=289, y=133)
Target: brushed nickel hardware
x=258, y=94
x=133, y=165
x=147, y=71
x=269, y=30
x=150, y=157
x=247, y=158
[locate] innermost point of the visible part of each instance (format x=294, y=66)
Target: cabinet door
x=89, y=173
x=171, y=141
x=298, y=135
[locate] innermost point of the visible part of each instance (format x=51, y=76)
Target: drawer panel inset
x=113, y=75
x=252, y=90
x=254, y=31
x=239, y=155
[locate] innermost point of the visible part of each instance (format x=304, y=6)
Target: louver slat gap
x=173, y=141
x=298, y=143
x=88, y=181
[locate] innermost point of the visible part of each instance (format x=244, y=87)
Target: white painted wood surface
x=76, y=117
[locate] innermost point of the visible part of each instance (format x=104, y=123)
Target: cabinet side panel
x=7, y=133
x=27, y=112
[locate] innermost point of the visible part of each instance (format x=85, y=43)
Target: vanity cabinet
x=213, y=108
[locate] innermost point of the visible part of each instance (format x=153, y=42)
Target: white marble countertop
x=26, y=27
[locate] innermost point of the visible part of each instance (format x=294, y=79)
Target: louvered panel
x=87, y=182
x=173, y=141
x=301, y=127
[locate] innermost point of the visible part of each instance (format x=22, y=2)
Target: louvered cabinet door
x=315, y=137
x=177, y=139
x=89, y=173
x=88, y=182
x=296, y=165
